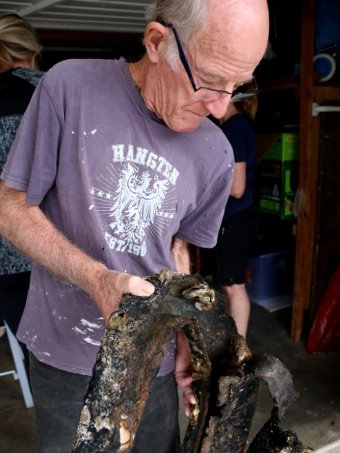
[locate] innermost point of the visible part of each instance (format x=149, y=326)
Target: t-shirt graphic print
x=135, y=198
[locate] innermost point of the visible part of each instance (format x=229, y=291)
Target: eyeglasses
x=236, y=95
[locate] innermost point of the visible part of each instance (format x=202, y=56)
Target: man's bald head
x=240, y=26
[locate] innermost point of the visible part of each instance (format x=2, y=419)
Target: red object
x=325, y=332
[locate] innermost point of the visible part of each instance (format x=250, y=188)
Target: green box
x=277, y=176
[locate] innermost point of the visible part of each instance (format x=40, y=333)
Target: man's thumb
x=140, y=287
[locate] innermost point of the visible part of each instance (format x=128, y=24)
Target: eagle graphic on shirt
x=138, y=204
x=138, y=200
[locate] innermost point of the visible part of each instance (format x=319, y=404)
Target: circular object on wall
x=325, y=65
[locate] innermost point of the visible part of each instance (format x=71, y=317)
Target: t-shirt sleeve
x=33, y=159
x=202, y=225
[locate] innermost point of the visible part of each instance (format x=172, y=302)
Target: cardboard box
x=277, y=175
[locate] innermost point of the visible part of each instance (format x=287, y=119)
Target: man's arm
x=181, y=256
x=28, y=229
x=183, y=371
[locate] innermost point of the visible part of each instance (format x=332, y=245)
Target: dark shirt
x=242, y=139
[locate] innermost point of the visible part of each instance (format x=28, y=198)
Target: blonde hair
x=18, y=42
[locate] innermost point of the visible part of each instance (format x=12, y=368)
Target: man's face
x=218, y=60
x=182, y=107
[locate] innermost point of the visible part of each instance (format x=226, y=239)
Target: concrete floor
x=315, y=416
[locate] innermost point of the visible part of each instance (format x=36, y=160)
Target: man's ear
x=154, y=38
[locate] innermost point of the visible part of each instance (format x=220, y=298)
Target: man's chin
x=185, y=126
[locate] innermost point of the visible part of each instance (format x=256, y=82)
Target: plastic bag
x=325, y=332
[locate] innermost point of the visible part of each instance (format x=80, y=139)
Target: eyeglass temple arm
x=181, y=53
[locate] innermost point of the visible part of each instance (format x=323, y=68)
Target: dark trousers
x=59, y=398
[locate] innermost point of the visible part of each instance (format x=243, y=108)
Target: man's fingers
x=192, y=399
x=189, y=396
x=189, y=401
x=183, y=381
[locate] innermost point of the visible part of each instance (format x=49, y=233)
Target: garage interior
x=298, y=253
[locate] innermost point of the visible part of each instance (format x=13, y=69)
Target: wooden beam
x=308, y=165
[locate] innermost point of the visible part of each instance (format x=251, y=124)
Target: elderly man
x=114, y=170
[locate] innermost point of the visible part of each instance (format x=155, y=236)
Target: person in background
x=19, y=75
x=114, y=170
x=239, y=225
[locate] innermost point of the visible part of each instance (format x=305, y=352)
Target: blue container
x=268, y=276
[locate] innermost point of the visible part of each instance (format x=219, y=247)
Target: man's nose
x=217, y=107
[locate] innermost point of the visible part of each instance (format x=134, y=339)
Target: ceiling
x=87, y=15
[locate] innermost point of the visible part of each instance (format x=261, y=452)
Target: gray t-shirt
x=119, y=184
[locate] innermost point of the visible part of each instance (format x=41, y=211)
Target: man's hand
x=183, y=372
x=28, y=228
x=111, y=286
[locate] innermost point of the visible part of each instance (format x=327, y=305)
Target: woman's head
x=248, y=107
x=19, y=45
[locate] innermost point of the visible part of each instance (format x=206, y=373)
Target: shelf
x=286, y=83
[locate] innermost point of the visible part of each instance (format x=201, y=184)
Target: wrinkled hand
x=111, y=286
x=183, y=372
